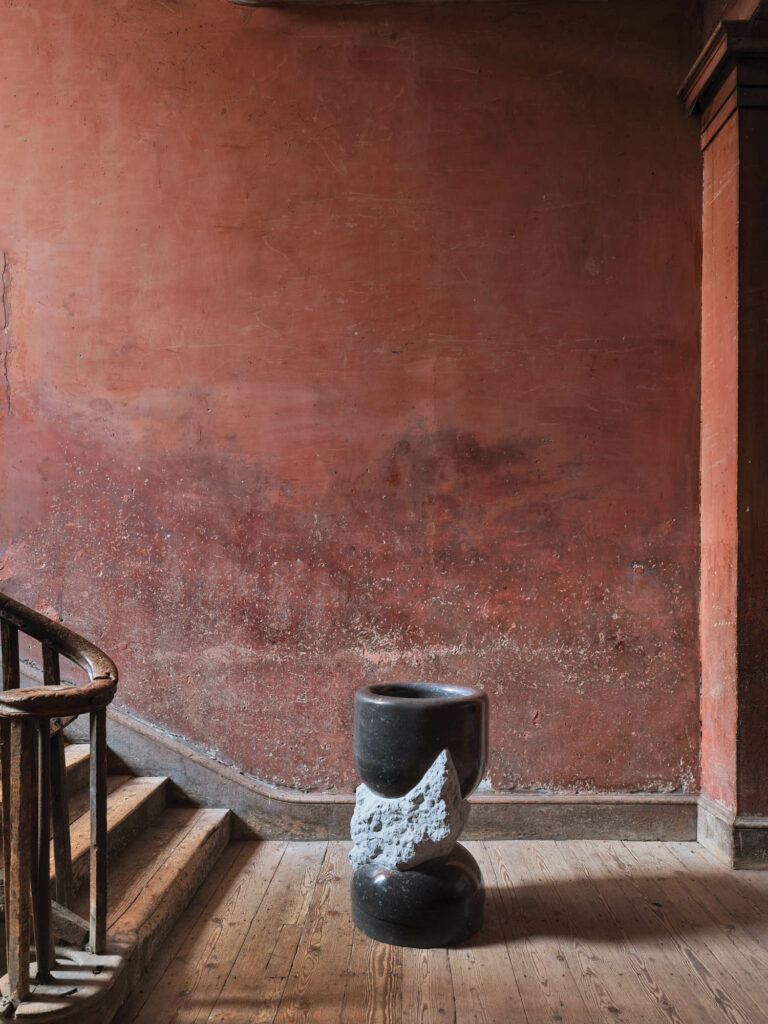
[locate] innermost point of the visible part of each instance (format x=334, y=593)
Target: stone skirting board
x=270, y=812
x=737, y=840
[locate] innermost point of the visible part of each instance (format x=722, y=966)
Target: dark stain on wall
x=243, y=619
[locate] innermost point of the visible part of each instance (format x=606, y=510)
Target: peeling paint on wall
x=5, y=280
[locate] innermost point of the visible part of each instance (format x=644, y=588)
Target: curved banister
x=74, y=647
x=61, y=701
x=34, y=795
x=49, y=701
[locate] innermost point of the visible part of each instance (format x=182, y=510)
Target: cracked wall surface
x=361, y=344
x=6, y=328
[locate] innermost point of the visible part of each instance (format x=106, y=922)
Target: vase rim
x=424, y=692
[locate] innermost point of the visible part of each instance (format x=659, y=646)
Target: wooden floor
x=574, y=932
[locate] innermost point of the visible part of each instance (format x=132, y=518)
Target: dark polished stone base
x=439, y=903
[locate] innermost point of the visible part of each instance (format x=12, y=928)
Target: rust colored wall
x=753, y=459
x=734, y=447
x=719, y=465
x=361, y=344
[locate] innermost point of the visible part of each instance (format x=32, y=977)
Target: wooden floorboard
x=660, y=969
x=532, y=939
x=574, y=932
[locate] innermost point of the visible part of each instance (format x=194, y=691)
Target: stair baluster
x=9, y=638
x=5, y=782
x=18, y=869
x=98, y=916
x=62, y=849
x=43, y=936
x=34, y=834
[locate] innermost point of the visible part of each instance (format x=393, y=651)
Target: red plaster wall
x=734, y=464
x=719, y=465
x=753, y=461
x=360, y=344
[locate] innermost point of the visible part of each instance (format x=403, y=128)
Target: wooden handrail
x=55, y=702
x=100, y=668
x=34, y=788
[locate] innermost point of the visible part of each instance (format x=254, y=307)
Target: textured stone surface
x=408, y=830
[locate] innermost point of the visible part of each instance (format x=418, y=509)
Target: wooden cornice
x=730, y=41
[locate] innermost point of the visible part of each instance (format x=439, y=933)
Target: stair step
x=77, y=757
x=158, y=857
x=80, y=801
x=132, y=804
x=154, y=878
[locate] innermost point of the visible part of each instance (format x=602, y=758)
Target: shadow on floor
x=609, y=909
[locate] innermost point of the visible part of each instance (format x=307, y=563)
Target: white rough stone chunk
x=404, y=831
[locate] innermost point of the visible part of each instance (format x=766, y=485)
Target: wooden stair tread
x=154, y=879
x=75, y=753
x=131, y=804
x=77, y=757
x=77, y=760
x=136, y=865
x=79, y=802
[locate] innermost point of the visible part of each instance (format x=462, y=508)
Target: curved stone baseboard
x=270, y=812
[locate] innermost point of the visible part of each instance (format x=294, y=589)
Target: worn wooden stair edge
x=77, y=759
x=143, y=926
x=130, y=808
x=144, y=919
x=151, y=916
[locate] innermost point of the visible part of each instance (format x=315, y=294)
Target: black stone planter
x=400, y=729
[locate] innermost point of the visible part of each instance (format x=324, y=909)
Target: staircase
x=159, y=852
x=97, y=863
